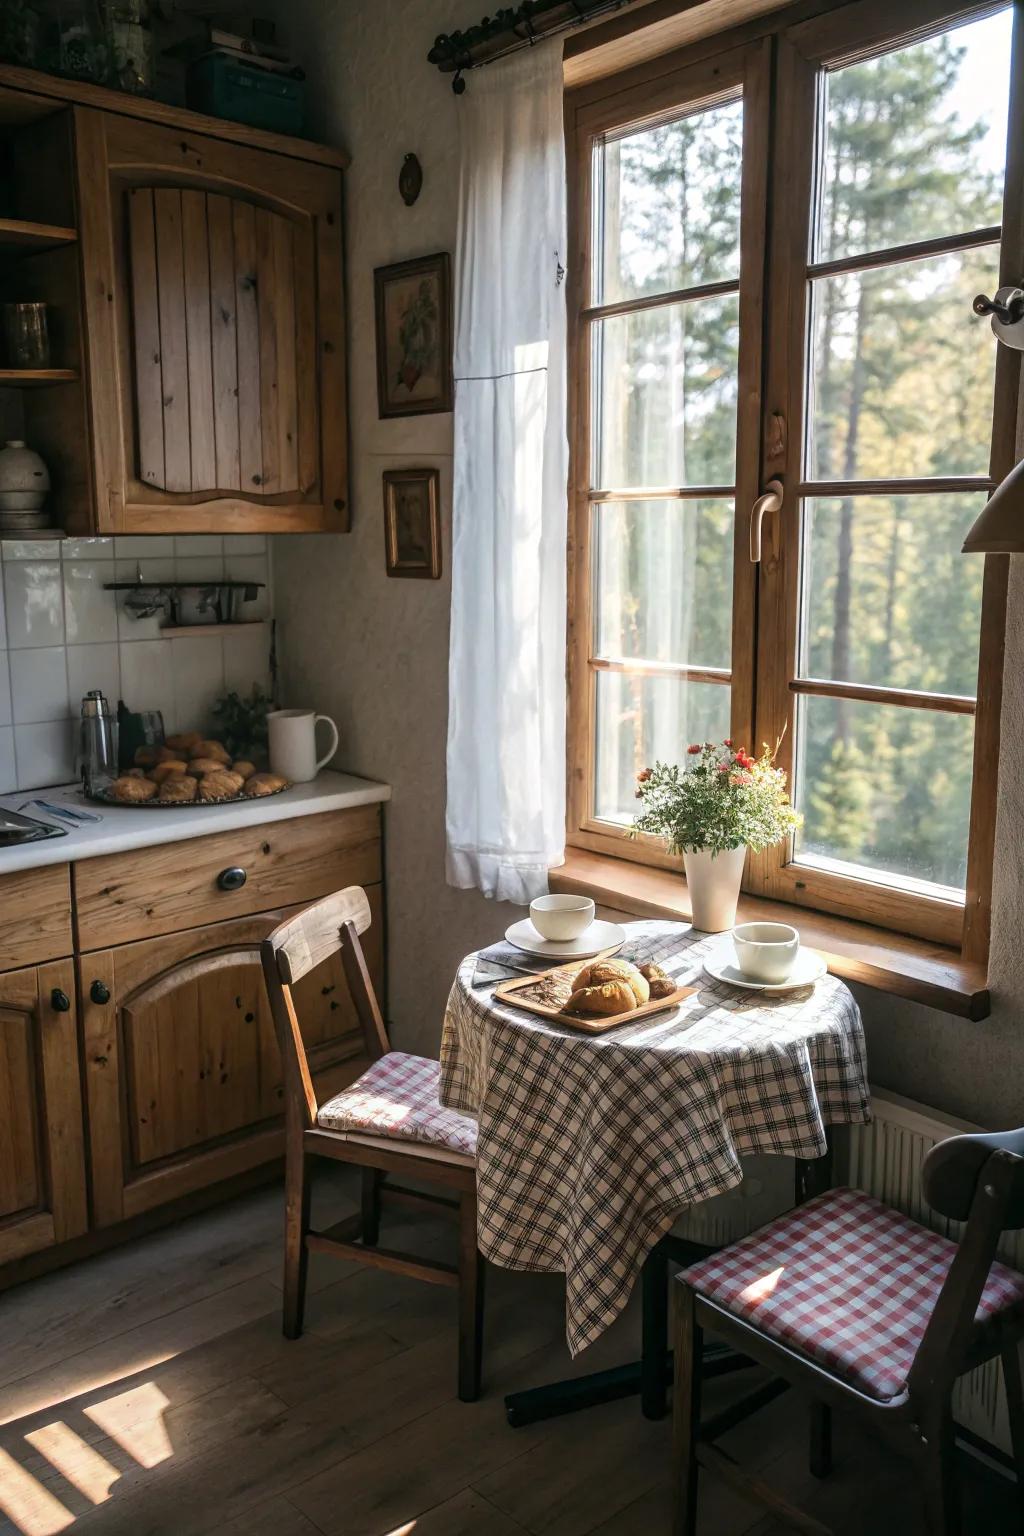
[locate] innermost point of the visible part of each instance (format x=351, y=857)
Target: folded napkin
x=502, y=961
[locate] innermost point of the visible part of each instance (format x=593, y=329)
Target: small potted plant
x=722, y=802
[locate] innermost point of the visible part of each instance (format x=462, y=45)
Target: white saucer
x=808, y=968
x=598, y=936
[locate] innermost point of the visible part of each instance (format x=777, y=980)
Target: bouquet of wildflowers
x=722, y=798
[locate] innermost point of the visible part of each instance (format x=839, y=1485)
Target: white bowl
x=766, y=951
x=561, y=918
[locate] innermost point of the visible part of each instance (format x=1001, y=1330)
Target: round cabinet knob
x=59, y=1001
x=231, y=879
x=99, y=992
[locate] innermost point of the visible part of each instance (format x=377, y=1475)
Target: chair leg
x=686, y=1413
x=939, y=1472
x=296, y=1254
x=370, y=1229
x=821, y=1440
x=471, y=1301
x=1015, y=1409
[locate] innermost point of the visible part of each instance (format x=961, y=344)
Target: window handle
x=770, y=501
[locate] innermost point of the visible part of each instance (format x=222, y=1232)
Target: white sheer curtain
x=506, y=679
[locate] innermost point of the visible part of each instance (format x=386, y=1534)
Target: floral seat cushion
x=397, y=1098
x=847, y=1282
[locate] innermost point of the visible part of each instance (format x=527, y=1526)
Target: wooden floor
x=149, y=1392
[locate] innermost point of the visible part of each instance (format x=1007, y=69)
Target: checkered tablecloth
x=591, y=1145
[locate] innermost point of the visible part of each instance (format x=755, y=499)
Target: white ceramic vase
x=714, y=881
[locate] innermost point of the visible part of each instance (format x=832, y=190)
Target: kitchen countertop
x=127, y=827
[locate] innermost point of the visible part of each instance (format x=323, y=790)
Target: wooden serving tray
x=594, y=1024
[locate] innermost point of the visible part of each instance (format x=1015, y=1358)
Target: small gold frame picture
x=412, y=522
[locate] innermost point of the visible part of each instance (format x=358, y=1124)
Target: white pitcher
x=293, y=743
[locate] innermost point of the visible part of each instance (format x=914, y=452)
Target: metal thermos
x=97, y=750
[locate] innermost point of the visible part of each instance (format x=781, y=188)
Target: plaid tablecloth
x=591, y=1145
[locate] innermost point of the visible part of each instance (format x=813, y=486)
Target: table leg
x=651, y=1375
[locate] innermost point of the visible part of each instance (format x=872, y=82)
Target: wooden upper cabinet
x=213, y=296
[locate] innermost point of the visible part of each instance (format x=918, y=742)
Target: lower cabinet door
x=42, y=1156
x=183, y=1075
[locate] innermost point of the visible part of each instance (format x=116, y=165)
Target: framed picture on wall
x=412, y=522
x=413, y=303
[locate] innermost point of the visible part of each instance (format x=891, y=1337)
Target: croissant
x=179, y=789
x=598, y=972
x=211, y=749
x=610, y=997
x=132, y=791
x=170, y=768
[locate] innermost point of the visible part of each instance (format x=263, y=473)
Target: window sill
x=889, y=962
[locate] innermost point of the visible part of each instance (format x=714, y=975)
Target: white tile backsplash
x=34, y=598
x=62, y=634
x=39, y=685
x=45, y=754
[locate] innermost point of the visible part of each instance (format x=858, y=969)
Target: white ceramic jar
x=24, y=483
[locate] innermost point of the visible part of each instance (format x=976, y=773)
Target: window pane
x=903, y=372
x=888, y=598
x=665, y=395
x=667, y=206
x=885, y=789
x=915, y=141
x=640, y=719
x=664, y=581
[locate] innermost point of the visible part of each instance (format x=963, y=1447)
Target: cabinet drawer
x=129, y=896
x=35, y=916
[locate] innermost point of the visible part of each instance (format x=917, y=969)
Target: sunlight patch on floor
x=27, y=1410
x=32, y=1508
x=135, y=1421
x=75, y=1459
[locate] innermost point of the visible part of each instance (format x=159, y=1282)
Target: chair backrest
x=977, y=1179
x=296, y=947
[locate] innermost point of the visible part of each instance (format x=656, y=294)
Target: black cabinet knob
x=59, y=1001
x=99, y=992
x=231, y=879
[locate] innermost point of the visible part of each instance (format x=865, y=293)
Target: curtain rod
x=509, y=30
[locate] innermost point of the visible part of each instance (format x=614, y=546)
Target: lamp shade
x=1000, y=528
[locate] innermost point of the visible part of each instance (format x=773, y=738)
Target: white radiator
x=884, y=1158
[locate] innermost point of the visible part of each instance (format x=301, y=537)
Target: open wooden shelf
x=24, y=237
x=35, y=378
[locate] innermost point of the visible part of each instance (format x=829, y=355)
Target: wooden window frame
x=779, y=60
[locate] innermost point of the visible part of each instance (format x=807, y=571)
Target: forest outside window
x=814, y=327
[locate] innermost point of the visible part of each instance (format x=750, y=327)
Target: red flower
x=727, y=742
x=694, y=748
x=744, y=759
x=644, y=775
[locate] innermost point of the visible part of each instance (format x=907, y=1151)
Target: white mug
x=293, y=743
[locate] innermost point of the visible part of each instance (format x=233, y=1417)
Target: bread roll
x=264, y=784
x=219, y=786
x=659, y=981
x=212, y=749
x=204, y=765
x=145, y=757
x=179, y=790
x=184, y=741
x=600, y=971
x=608, y=998
x=134, y=791
x=167, y=754
x=246, y=769
x=171, y=768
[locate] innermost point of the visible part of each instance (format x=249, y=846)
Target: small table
x=590, y=1146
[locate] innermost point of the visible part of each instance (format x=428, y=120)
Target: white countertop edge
x=130, y=827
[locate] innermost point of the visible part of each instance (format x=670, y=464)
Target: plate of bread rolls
x=598, y=996
x=189, y=769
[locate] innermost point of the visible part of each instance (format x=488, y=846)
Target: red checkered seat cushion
x=397, y=1098
x=846, y=1282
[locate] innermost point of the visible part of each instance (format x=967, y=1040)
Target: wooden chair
x=862, y=1308
x=388, y=1122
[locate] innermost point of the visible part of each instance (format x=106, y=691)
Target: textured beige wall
x=373, y=652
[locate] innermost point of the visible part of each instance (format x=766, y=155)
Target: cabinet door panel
x=182, y=1067
x=214, y=297
x=42, y=1155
